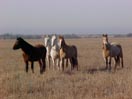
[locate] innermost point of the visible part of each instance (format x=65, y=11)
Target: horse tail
x=75, y=60
x=43, y=68
x=75, y=50
x=77, y=63
x=118, y=60
x=121, y=55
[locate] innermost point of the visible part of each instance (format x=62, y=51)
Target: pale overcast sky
x=65, y=16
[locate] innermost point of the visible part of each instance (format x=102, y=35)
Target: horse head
x=61, y=41
x=105, y=38
x=47, y=41
x=17, y=44
x=53, y=40
x=106, y=44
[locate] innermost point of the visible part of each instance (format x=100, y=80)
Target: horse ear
x=53, y=34
x=104, y=35
x=18, y=38
x=60, y=36
x=46, y=35
x=43, y=36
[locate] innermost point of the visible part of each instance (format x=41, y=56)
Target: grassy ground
x=90, y=82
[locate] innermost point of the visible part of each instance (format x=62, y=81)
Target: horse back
x=68, y=51
x=37, y=53
x=75, y=50
x=116, y=49
x=41, y=48
x=120, y=47
x=72, y=51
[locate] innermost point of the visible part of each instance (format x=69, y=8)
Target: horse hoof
x=41, y=72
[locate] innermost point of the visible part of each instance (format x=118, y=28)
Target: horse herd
x=56, y=49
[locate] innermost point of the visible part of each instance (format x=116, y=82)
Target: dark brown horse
x=32, y=53
x=112, y=50
x=68, y=52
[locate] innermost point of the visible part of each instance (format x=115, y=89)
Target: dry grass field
x=90, y=82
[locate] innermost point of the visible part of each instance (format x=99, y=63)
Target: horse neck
x=26, y=47
x=55, y=46
x=106, y=45
x=47, y=42
x=48, y=48
x=48, y=45
x=105, y=41
x=64, y=45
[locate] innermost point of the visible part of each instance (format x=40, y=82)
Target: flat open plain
x=90, y=82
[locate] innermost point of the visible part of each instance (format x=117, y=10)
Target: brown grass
x=90, y=82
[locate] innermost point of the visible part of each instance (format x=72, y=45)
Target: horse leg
x=109, y=63
x=71, y=61
x=122, y=61
x=58, y=60
x=53, y=60
x=32, y=66
x=106, y=62
x=66, y=62
x=43, y=67
x=26, y=66
x=40, y=64
x=49, y=61
x=62, y=64
x=116, y=61
x=76, y=63
x=26, y=61
x=121, y=57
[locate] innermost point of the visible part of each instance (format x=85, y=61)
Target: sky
x=65, y=16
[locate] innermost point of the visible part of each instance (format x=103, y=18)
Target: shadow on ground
x=94, y=70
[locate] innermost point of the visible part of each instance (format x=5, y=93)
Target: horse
x=31, y=54
x=112, y=50
x=67, y=52
x=54, y=53
x=47, y=41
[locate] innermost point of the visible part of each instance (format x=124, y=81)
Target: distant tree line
x=14, y=36
x=70, y=36
x=123, y=35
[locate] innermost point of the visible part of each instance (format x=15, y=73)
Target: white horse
x=54, y=53
x=47, y=41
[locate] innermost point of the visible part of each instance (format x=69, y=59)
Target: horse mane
x=63, y=40
x=61, y=37
x=106, y=46
x=25, y=46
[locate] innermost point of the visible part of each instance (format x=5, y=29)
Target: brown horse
x=67, y=52
x=111, y=50
x=32, y=53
